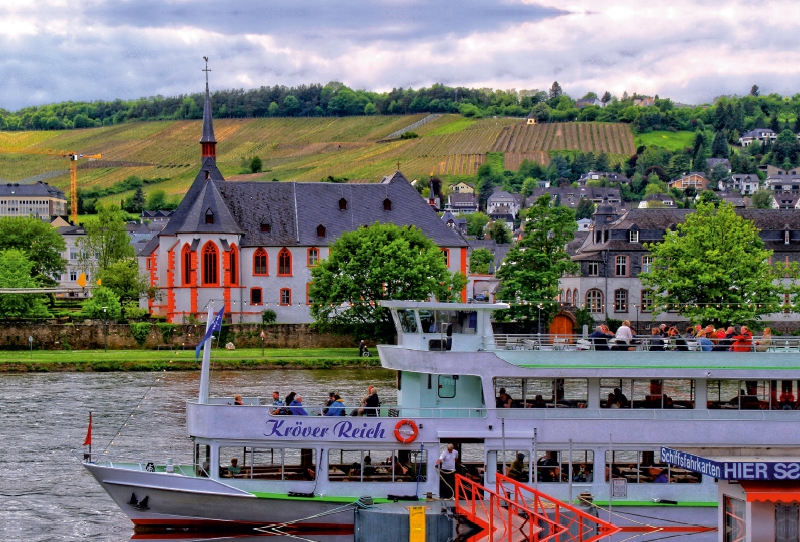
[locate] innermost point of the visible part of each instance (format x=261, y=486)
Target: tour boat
x=569, y=416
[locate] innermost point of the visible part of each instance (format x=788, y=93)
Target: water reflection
x=47, y=495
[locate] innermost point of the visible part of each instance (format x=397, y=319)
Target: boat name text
x=342, y=430
x=732, y=470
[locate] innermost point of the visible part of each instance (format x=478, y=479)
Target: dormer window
x=209, y=216
x=387, y=204
x=265, y=227
x=321, y=231
x=342, y=204
x=633, y=236
x=785, y=237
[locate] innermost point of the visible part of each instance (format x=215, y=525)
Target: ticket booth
x=759, y=491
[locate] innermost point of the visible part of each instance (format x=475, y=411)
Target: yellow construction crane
x=73, y=172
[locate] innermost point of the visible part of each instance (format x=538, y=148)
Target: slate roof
x=711, y=162
x=758, y=132
x=208, y=124
x=34, y=190
x=462, y=198
x=294, y=210
x=186, y=213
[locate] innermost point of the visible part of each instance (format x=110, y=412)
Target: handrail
x=512, y=517
x=545, y=341
x=383, y=411
x=104, y=459
x=584, y=522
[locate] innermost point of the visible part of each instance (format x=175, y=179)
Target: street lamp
x=105, y=329
x=539, y=321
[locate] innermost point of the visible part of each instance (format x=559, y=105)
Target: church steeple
x=208, y=143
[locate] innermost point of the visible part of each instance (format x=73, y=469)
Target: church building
x=252, y=245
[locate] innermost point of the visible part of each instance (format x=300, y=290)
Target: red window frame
x=308, y=257
x=261, y=296
x=233, y=263
x=308, y=299
x=210, y=264
x=288, y=292
x=446, y=252
x=259, y=253
x=186, y=263
x=284, y=257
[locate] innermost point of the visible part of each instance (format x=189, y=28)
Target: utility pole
x=105, y=329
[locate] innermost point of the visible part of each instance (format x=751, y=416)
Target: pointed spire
x=208, y=142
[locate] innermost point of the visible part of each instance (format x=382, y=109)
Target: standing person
x=336, y=408
x=296, y=406
x=447, y=464
x=277, y=404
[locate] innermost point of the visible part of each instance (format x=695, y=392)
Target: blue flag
x=216, y=325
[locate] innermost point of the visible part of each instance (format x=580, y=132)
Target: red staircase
x=506, y=515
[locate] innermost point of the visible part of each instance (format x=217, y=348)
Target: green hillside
x=303, y=149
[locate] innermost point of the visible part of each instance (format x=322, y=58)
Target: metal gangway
x=515, y=511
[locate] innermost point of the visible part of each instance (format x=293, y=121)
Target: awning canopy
x=771, y=491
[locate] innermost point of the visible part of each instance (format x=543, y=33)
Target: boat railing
x=144, y=464
x=383, y=411
x=571, y=342
x=647, y=414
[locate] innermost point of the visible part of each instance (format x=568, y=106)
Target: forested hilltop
x=733, y=114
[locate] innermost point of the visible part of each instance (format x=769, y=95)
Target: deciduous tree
x=41, y=243
x=106, y=240
x=500, y=232
x=123, y=278
x=480, y=260
x=381, y=261
x=763, y=199
x=15, y=272
x=533, y=266
x=713, y=269
x=475, y=224
x=585, y=209
x=102, y=297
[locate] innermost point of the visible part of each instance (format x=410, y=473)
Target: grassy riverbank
x=181, y=360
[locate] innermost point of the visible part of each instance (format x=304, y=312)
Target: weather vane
x=206, y=69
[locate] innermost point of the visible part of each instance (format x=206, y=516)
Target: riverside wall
x=92, y=335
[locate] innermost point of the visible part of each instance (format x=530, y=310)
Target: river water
x=45, y=492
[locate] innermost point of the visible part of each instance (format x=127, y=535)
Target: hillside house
x=454, y=222
x=783, y=183
x=645, y=101
x=586, y=102
x=711, y=162
x=609, y=176
x=758, y=134
x=462, y=203
x=462, y=188
x=662, y=200
x=744, y=183
x=695, y=179
x=572, y=196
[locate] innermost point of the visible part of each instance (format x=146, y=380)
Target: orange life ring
x=409, y=438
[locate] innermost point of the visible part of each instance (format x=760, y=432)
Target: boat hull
x=179, y=502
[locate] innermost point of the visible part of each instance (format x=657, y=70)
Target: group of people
x=292, y=405
x=708, y=339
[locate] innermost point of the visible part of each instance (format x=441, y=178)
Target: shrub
x=167, y=330
x=140, y=331
x=102, y=297
x=409, y=135
x=269, y=316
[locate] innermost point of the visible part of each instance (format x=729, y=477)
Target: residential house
x=695, y=179
x=159, y=216
x=663, y=200
x=586, y=102
x=783, y=183
x=744, y=183
x=613, y=255
x=462, y=203
x=786, y=200
x=572, y=196
x=645, y=101
x=462, y=188
x=38, y=199
x=711, y=162
x=584, y=224
x=760, y=135
x=250, y=246
x=530, y=119
x=452, y=221
x=733, y=198
x=609, y=176
x=74, y=264
x=505, y=207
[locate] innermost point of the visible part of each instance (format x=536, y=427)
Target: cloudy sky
x=689, y=50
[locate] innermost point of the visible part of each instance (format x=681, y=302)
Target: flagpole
x=205, y=368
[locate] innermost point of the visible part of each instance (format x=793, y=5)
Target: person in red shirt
x=743, y=341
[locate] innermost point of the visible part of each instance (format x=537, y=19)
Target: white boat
x=562, y=426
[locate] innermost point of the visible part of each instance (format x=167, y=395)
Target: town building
x=251, y=245
x=38, y=199
x=609, y=176
x=572, y=196
x=462, y=203
x=657, y=201
x=462, y=188
x=760, y=135
x=586, y=102
x=788, y=182
x=744, y=183
x=613, y=254
x=712, y=162
x=72, y=254
x=695, y=179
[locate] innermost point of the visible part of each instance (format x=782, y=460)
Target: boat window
x=447, y=386
x=377, y=465
x=202, y=459
x=735, y=516
x=753, y=394
x=267, y=463
x=646, y=393
x=541, y=392
x=428, y=321
x=518, y=463
x=644, y=467
x=553, y=466
x=408, y=321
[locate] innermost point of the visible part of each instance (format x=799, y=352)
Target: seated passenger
x=763, y=344
x=237, y=400
x=296, y=407
x=600, y=338
x=659, y=475
x=620, y=398
x=656, y=342
x=538, y=402
x=503, y=399
x=337, y=407
x=517, y=470
x=583, y=475
x=742, y=341
x=624, y=336
x=369, y=470
x=234, y=469
x=680, y=342
x=547, y=466
x=703, y=341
